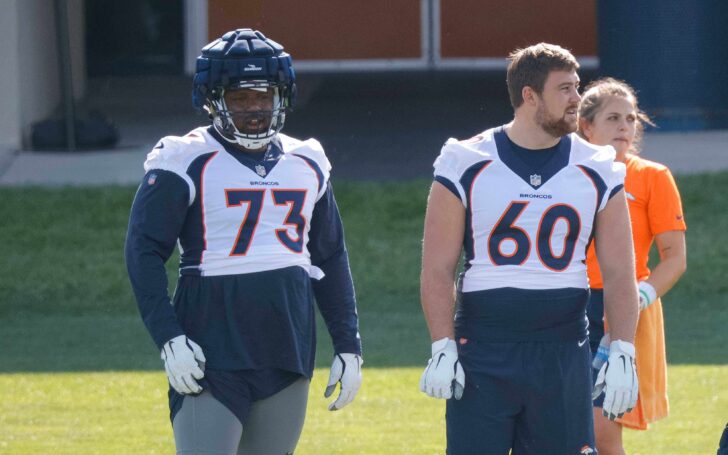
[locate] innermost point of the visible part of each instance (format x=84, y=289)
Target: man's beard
x=556, y=127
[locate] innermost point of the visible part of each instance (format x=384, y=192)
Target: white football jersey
x=527, y=228
x=249, y=217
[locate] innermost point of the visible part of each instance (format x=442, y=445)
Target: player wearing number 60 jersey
x=259, y=233
x=524, y=201
x=525, y=218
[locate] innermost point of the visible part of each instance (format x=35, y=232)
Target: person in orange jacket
x=610, y=115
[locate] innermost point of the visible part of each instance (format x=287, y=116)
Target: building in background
x=675, y=53
x=139, y=38
x=325, y=35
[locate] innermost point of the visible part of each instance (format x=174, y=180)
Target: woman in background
x=609, y=115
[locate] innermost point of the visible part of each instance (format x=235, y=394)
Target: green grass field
x=80, y=375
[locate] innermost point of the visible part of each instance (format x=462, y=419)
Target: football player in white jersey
x=523, y=201
x=260, y=238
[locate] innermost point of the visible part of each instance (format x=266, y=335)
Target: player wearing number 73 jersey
x=524, y=201
x=246, y=213
x=259, y=233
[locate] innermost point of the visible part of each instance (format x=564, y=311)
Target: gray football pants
x=204, y=426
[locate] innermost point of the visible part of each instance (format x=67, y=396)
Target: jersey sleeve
x=615, y=181
x=157, y=215
x=171, y=154
x=612, y=173
x=335, y=292
x=313, y=152
x=448, y=169
x=664, y=209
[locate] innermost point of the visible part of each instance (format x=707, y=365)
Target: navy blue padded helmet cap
x=240, y=55
x=243, y=58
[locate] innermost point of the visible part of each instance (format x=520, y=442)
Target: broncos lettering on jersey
x=527, y=228
x=252, y=233
x=526, y=225
x=250, y=216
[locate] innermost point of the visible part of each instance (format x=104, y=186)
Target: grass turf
x=80, y=374
x=125, y=412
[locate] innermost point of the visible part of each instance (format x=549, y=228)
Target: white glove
x=444, y=376
x=184, y=363
x=618, y=380
x=346, y=370
x=648, y=294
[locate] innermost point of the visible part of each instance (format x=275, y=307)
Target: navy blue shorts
x=595, y=314
x=531, y=397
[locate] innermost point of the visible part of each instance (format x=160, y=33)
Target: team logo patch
x=260, y=170
x=586, y=450
x=535, y=180
x=152, y=179
x=629, y=196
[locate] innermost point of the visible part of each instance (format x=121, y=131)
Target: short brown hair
x=529, y=67
x=598, y=91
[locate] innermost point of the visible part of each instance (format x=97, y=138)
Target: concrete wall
x=40, y=90
x=195, y=32
x=30, y=67
x=77, y=32
x=10, y=124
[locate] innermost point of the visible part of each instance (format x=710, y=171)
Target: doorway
x=134, y=37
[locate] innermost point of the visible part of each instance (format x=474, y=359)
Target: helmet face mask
x=246, y=83
x=249, y=113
